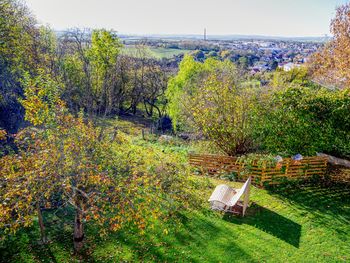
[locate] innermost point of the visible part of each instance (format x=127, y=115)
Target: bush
x=306, y=120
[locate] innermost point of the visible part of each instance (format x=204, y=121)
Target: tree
x=156, y=79
x=76, y=69
x=103, y=54
x=28, y=181
x=225, y=114
x=89, y=69
x=102, y=81
x=296, y=76
x=243, y=63
x=23, y=48
x=330, y=65
x=178, y=85
x=67, y=158
x=210, y=97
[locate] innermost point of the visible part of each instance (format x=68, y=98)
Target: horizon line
x=197, y=34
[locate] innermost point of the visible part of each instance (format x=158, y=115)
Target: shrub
x=306, y=120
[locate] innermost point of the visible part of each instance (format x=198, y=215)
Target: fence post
x=263, y=172
x=325, y=168
x=115, y=133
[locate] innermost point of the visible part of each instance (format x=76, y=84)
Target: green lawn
x=309, y=223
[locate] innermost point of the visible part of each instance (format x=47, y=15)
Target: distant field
x=157, y=53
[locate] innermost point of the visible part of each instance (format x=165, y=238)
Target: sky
x=290, y=18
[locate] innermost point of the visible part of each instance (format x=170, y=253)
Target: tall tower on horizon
x=205, y=34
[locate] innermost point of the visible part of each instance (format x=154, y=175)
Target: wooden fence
x=261, y=173
x=339, y=174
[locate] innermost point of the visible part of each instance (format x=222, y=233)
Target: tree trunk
x=78, y=237
x=153, y=105
x=41, y=224
x=149, y=114
x=115, y=133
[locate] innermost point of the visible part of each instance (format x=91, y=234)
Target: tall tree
x=105, y=47
x=24, y=47
x=331, y=64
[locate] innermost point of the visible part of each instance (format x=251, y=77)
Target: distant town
x=255, y=53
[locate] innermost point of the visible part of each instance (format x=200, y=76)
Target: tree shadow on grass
x=26, y=242
x=43, y=253
x=269, y=222
x=327, y=205
x=195, y=239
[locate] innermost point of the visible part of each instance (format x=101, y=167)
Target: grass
x=300, y=223
x=309, y=224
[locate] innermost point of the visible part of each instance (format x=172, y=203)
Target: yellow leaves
x=2, y=134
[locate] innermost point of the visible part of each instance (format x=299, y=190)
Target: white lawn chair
x=228, y=199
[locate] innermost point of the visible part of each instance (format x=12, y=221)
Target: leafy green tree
x=90, y=70
x=211, y=97
x=225, y=113
x=103, y=54
x=189, y=70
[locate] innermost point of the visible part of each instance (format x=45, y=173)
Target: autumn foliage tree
x=66, y=157
x=331, y=64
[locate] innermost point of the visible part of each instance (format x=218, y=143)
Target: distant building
x=289, y=66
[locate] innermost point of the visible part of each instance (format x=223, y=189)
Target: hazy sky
x=248, y=17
